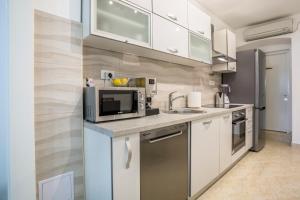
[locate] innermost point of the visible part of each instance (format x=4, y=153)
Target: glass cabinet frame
x=96, y=31
x=209, y=50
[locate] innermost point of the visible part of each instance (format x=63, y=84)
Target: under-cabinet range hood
x=224, y=46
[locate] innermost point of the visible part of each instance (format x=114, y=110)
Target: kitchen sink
x=185, y=111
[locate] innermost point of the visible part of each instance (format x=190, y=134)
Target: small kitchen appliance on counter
x=222, y=96
x=150, y=86
x=113, y=103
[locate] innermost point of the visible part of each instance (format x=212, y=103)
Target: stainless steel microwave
x=113, y=103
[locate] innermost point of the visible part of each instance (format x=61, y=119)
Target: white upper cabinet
x=147, y=4
x=175, y=11
x=169, y=37
x=225, y=43
x=231, y=38
x=149, y=28
x=199, y=22
x=200, y=48
x=120, y=21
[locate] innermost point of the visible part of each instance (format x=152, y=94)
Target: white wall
x=70, y=9
x=21, y=99
x=4, y=99
x=295, y=51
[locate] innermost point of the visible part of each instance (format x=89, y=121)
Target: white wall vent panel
x=60, y=187
x=269, y=29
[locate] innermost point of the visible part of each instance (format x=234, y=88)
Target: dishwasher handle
x=172, y=135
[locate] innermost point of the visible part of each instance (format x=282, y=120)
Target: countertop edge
x=120, y=133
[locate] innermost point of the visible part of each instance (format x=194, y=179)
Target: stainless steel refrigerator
x=248, y=87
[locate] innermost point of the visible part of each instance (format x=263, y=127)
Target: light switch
x=60, y=187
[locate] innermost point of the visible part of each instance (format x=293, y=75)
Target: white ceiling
x=240, y=13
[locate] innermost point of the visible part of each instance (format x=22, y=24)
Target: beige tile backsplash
x=170, y=77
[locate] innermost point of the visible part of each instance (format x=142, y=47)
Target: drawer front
x=169, y=37
x=174, y=11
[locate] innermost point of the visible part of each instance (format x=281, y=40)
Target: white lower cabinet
x=204, y=153
x=112, y=166
x=126, y=167
x=249, y=128
x=225, y=141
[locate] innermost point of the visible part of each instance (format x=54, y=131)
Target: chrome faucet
x=171, y=99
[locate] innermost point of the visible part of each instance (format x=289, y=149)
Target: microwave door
x=117, y=102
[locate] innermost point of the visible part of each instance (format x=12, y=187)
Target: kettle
x=221, y=98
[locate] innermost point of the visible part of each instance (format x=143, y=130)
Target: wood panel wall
x=58, y=99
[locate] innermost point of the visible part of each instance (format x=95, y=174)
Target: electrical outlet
x=107, y=75
x=212, y=83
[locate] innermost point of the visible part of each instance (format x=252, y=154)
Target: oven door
x=238, y=135
x=117, y=104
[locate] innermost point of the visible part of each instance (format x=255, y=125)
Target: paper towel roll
x=194, y=100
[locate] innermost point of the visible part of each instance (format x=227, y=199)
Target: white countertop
x=136, y=125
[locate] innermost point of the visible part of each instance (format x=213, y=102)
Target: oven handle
x=239, y=122
x=166, y=137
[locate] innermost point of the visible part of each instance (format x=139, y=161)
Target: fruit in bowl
x=120, y=82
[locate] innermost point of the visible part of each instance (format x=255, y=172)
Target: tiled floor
x=272, y=174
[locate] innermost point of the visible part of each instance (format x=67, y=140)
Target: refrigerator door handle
x=261, y=108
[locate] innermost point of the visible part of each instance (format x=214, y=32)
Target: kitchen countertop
x=136, y=125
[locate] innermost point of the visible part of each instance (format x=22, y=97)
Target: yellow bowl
x=120, y=82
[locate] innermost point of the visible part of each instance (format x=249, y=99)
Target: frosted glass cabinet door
x=121, y=21
x=200, y=48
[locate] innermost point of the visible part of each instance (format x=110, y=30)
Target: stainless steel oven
x=113, y=103
x=238, y=130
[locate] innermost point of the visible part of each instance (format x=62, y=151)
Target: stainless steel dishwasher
x=165, y=163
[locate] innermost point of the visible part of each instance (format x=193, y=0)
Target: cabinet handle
x=207, y=123
x=201, y=32
x=129, y=152
x=171, y=16
x=172, y=50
